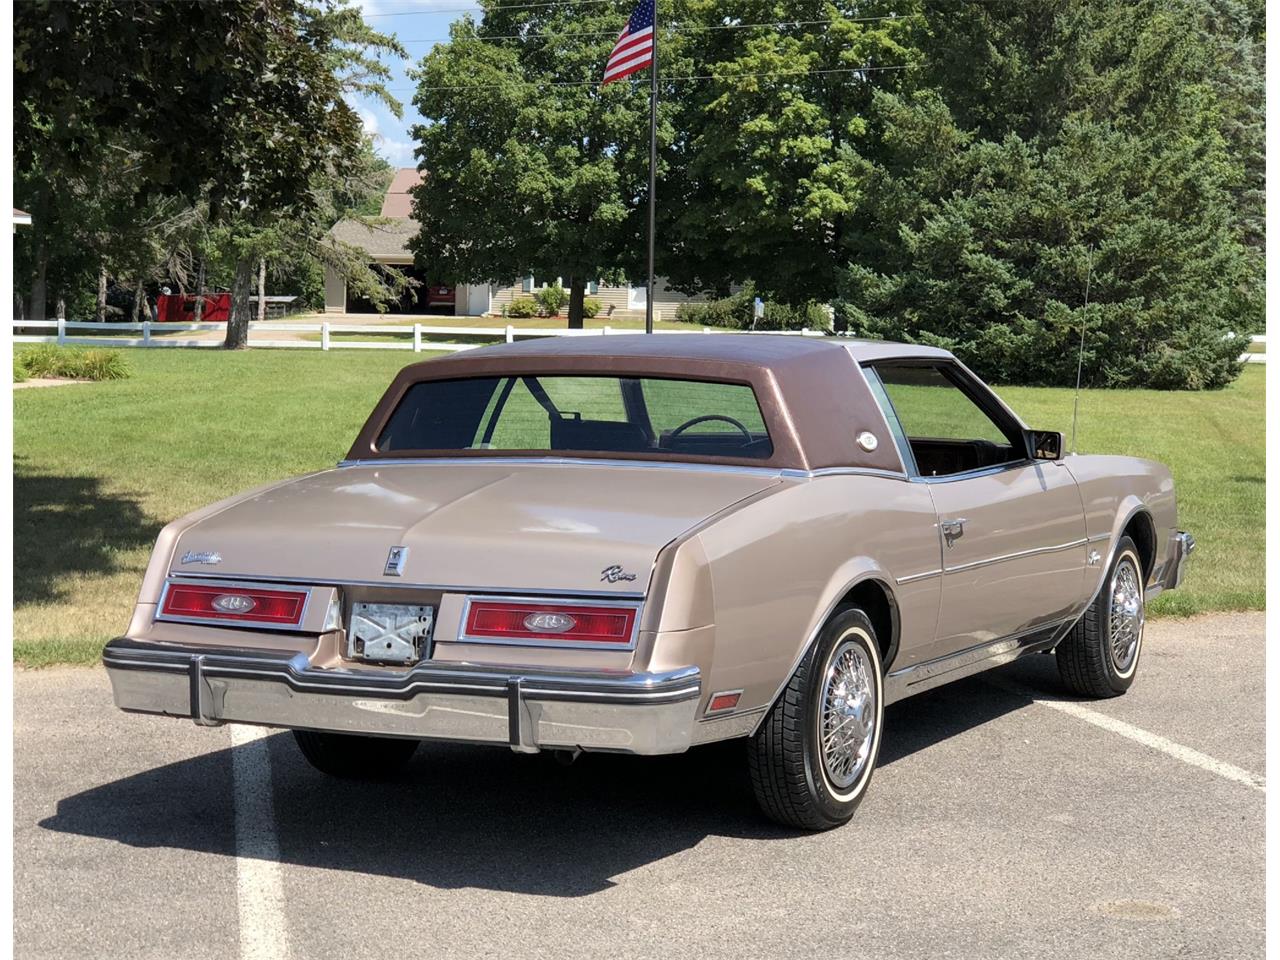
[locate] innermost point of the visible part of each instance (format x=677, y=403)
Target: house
x=20, y=219
x=385, y=239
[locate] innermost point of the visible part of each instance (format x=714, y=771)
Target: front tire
x=354, y=757
x=1099, y=657
x=812, y=759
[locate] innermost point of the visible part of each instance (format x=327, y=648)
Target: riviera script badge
x=614, y=574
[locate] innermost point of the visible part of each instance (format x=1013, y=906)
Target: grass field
x=99, y=468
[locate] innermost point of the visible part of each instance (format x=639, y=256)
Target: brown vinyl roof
x=814, y=399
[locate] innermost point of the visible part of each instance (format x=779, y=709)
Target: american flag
x=634, y=49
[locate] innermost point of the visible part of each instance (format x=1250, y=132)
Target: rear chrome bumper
x=527, y=710
x=1180, y=547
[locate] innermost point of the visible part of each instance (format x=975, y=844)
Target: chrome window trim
x=464, y=637
x=568, y=462
x=978, y=472
x=525, y=592
x=1018, y=555
x=233, y=584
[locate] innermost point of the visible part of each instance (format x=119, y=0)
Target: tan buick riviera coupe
x=642, y=544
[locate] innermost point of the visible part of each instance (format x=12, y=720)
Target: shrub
x=522, y=308
x=551, y=299
x=72, y=363
x=735, y=312
x=591, y=306
x=20, y=374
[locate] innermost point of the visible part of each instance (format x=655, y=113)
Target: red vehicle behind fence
x=181, y=308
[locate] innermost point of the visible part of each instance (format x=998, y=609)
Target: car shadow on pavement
x=464, y=816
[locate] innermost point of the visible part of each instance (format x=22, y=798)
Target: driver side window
x=948, y=432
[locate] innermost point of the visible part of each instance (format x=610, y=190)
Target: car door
x=1011, y=529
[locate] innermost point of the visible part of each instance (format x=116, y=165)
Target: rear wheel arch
x=1141, y=529
x=873, y=597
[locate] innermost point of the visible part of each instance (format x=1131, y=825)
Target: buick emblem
x=549, y=622
x=201, y=556
x=395, y=562
x=234, y=603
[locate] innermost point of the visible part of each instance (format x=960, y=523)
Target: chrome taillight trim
x=563, y=601
x=235, y=585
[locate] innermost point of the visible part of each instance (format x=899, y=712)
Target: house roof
x=21, y=218
x=386, y=242
x=398, y=202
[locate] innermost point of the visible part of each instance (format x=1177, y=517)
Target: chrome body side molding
x=933, y=673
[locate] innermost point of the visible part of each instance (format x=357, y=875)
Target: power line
x=477, y=9
x=706, y=76
x=690, y=29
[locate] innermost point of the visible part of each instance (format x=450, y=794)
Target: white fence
x=422, y=336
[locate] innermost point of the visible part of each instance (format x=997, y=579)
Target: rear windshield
x=622, y=415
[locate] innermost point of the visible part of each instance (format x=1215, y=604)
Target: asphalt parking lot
x=1002, y=822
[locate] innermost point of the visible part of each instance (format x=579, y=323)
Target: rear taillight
x=540, y=622
x=281, y=608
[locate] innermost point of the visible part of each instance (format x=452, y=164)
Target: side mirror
x=1043, y=444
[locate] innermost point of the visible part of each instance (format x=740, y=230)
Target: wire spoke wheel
x=1127, y=615
x=846, y=724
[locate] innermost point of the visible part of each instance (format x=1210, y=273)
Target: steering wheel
x=707, y=418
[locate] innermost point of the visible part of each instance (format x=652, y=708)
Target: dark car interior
x=936, y=457
x=582, y=414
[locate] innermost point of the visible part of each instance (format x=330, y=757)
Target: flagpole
x=653, y=168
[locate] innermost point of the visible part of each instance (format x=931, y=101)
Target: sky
x=418, y=24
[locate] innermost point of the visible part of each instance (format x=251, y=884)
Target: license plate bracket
x=397, y=633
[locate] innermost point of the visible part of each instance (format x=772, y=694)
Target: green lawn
x=99, y=468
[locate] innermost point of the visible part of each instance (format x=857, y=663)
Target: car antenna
x=1084, y=312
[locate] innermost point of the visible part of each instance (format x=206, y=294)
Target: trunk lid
x=498, y=526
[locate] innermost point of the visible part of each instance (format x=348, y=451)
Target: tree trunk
x=199, y=292
x=100, y=314
x=138, y=294
x=238, y=323
x=577, y=289
x=38, y=293
x=262, y=290
x=61, y=309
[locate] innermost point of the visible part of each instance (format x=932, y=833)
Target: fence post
x=62, y=331
x=605, y=331
x=324, y=335
x=146, y=333
x=511, y=333
x=417, y=338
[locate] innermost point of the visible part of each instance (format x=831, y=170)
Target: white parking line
x=264, y=934
x=1153, y=740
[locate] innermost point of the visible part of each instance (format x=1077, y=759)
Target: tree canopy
x=531, y=168
x=238, y=108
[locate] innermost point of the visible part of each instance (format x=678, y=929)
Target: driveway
x=1003, y=821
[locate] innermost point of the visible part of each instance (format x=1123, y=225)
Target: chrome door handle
x=953, y=530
